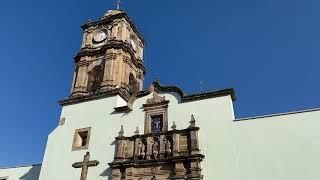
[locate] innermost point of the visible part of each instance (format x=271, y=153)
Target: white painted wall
x=277, y=148
x=21, y=173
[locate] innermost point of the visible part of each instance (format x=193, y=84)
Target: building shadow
x=107, y=173
x=32, y=174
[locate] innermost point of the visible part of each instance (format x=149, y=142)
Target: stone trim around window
x=160, y=112
x=156, y=106
x=81, y=135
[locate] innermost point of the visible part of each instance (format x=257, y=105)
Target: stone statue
x=168, y=146
x=142, y=149
x=155, y=149
x=124, y=150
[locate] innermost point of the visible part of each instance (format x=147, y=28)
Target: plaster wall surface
x=276, y=147
x=21, y=173
x=105, y=124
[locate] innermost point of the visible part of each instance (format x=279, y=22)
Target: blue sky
x=268, y=51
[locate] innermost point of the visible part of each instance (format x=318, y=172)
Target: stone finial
x=121, y=132
x=174, y=126
x=156, y=80
x=136, y=132
x=192, y=122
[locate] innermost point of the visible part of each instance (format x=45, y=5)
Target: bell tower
x=111, y=58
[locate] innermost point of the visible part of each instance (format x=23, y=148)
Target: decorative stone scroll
x=173, y=154
x=156, y=99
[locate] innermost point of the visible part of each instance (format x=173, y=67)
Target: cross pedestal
x=85, y=164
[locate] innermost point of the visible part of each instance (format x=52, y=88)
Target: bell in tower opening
x=111, y=58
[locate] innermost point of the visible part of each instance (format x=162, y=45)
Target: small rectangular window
x=81, y=139
x=4, y=178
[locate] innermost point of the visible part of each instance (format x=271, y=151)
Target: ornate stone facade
x=164, y=154
x=174, y=154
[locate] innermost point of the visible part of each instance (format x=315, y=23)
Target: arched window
x=95, y=78
x=133, y=84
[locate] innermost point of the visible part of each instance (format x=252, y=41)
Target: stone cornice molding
x=73, y=100
x=82, y=63
x=110, y=19
x=115, y=44
x=176, y=131
x=142, y=163
x=156, y=86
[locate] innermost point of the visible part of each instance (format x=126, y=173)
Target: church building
x=112, y=128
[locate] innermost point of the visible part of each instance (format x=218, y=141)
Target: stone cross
x=118, y=3
x=202, y=86
x=85, y=164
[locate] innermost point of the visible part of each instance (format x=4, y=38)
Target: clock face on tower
x=100, y=36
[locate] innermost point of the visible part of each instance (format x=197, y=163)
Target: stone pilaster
x=118, y=154
x=149, y=148
x=130, y=171
x=195, y=170
x=116, y=174
x=194, y=142
x=179, y=171
x=162, y=146
x=136, y=148
x=176, y=144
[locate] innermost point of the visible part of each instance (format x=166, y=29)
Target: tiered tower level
x=111, y=58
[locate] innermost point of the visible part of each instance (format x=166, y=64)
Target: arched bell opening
x=133, y=84
x=95, y=78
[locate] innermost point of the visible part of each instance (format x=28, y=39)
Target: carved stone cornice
x=155, y=162
x=109, y=19
x=82, y=63
x=73, y=100
x=111, y=56
x=180, y=131
x=156, y=86
x=219, y=93
x=115, y=44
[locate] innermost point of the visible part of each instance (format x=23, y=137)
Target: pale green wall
x=21, y=173
x=105, y=125
x=277, y=148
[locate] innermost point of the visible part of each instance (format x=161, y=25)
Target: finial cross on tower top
x=118, y=3
x=202, y=85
